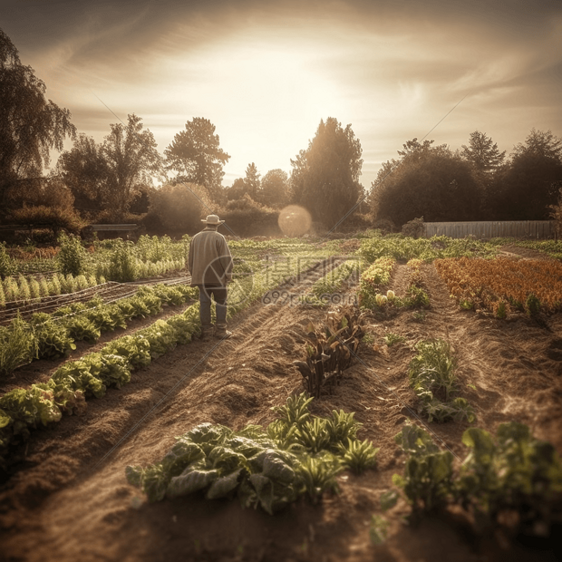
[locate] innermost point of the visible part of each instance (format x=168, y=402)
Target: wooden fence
x=538, y=230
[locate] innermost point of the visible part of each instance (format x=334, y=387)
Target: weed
x=378, y=529
x=390, y=339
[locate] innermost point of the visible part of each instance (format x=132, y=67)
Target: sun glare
x=267, y=101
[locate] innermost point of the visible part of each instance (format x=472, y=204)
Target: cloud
x=265, y=72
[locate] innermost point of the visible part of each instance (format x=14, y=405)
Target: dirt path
x=70, y=500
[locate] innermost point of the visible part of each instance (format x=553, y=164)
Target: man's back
x=210, y=261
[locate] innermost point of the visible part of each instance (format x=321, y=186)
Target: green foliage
x=7, y=264
x=378, y=529
x=390, y=339
x=72, y=257
x=17, y=345
x=513, y=472
x=373, y=279
x=427, y=181
x=428, y=473
x=123, y=264
x=51, y=340
x=359, y=455
x=32, y=125
x=428, y=249
x=416, y=297
x=24, y=290
x=325, y=176
x=431, y=374
x=533, y=305
x=11, y=289
x=509, y=474
x=414, y=228
x=34, y=289
x=296, y=454
x=335, y=280
x=319, y=474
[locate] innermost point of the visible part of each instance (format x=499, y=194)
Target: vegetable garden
x=377, y=402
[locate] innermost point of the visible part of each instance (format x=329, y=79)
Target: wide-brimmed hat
x=212, y=219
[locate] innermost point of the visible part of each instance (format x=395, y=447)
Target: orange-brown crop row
x=502, y=284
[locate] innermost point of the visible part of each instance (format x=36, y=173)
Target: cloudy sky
x=265, y=72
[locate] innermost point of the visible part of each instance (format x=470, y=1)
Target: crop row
x=428, y=249
x=22, y=410
x=432, y=377
x=296, y=454
x=48, y=336
x=504, y=284
x=510, y=480
x=21, y=290
x=374, y=279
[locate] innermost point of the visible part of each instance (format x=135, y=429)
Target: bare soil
x=68, y=498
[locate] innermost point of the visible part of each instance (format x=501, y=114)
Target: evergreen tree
x=196, y=154
x=325, y=176
x=482, y=152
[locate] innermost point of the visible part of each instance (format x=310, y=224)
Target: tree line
x=126, y=173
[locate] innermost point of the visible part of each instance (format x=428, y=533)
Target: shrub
x=7, y=264
x=34, y=289
x=179, y=207
x=25, y=292
x=44, y=287
x=11, y=290
x=72, y=257
x=53, y=218
x=246, y=217
x=123, y=263
x=414, y=228
x=54, y=285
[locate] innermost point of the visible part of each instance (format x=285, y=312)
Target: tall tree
x=196, y=154
x=428, y=182
x=30, y=124
x=84, y=171
x=252, y=181
x=274, y=188
x=482, y=152
x=237, y=190
x=132, y=161
x=527, y=187
x=325, y=176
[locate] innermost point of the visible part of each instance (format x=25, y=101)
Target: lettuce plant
x=294, y=456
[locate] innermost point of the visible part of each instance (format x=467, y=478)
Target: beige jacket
x=209, y=261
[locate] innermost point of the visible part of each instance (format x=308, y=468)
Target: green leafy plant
x=263, y=467
x=72, y=258
x=51, y=339
x=359, y=455
x=432, y=377
x=319, y=474
x=513, y=472
x=17, y=345
x=123, y=263
x=378, y=529
x=7, y=264
x=419, y=316
x=533, y=305
x=390, y=339
x=428, y=474
x=510, y=480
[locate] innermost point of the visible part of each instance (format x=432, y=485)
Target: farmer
x=210, y=265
